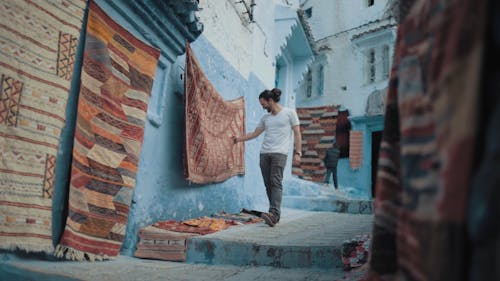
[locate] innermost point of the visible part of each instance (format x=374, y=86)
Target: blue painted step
x=301, y=239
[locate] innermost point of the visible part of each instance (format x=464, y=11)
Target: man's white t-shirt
x=278, y=131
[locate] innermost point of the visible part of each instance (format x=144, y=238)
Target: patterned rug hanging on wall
x=38, y=42
x=317, y=126
x=117, y=77
x=210, y=155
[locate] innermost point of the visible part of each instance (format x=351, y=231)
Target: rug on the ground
x=38, y=42
x=317, y=126
x=210, y=155
x=202, y=226
x=168, y=240
x=240, y=218
x=117, y=77
x=355, y=251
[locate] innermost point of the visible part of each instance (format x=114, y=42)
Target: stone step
x=302, y=239
x=328, y=204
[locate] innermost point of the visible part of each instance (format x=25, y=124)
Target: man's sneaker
x=269, y=219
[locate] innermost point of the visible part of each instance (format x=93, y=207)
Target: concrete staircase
x=302, y=239
x=306, y=195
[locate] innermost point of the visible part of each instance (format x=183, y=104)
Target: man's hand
x=296, y=157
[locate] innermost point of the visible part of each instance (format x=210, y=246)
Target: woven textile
x=117, y=78
x=203, y=225
x=38, y=41
x=317, y=126
x=210, y=155
x=427, y=150
x=161, y=244
x=355, y=251
x=355, y=149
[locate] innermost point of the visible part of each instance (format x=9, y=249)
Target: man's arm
x=297, y=153
x=249, y=136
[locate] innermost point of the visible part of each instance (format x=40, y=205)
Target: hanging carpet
x=117, y=77
x=38, y=42
x=427, y=153
x=210, y=155
x=317, y=126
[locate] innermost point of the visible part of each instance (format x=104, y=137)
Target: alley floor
x=133, y=269
x=314, y=234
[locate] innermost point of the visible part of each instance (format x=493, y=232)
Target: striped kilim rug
x=317, y=126
x=117, y=77
x=424, y=223
x=211, y=155
x=38, y=41
x=355, y=149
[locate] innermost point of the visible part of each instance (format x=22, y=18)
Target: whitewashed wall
x=247, y=46
x=335, y=25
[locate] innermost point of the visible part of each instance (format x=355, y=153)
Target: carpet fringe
x=29, y=248
x=69, y=253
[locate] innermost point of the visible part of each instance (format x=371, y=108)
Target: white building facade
x=355, y=45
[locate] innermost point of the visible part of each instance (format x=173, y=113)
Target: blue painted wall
x=161, y=192
x=360, y=179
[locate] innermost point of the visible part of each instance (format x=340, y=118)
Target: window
x=385, y=62
x=308, y=12
x=321, y=76
x=378, y=64
x=371, y=66
x=309, y=83
x=370, y=3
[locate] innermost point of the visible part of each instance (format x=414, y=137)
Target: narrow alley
x=305, y=246
x=249, y=140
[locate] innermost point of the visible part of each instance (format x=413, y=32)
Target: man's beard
x=268, y=109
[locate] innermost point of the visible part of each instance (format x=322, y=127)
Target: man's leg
x=278, y=162
x=328, y=175
x=265, y=169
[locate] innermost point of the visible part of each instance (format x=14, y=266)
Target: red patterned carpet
x=210, y=153
x=117, y=77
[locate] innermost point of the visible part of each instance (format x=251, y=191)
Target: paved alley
x=234, y=257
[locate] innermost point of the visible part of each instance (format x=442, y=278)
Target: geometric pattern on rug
x=317, y=126
x=33, y=101
x=210, y=155
x=116, y=82
x=10, y=94
x=67, y=52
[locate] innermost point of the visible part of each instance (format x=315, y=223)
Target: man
x=277, y=125
x=330, y=160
